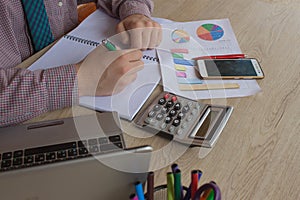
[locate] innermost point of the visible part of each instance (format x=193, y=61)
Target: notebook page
x=96, y=27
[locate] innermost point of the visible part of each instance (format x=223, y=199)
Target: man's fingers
x=132, y=55
x=136, y=66
x=136, y=38
x=146, y=38
x=123, y=35
x=155, y=38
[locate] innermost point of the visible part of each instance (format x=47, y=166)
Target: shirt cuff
x=62, y=86
x=135, y=7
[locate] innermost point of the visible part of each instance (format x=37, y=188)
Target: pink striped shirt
x=25, y=94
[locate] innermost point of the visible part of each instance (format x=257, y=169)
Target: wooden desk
x=258, y=154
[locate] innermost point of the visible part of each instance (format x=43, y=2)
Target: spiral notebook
x=74, y=46
x=149, y=56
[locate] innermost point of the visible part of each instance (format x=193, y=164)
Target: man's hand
x=141, y=32
x=104, y=72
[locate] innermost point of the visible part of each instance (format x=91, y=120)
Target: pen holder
x=160, y=192
x=174, y=190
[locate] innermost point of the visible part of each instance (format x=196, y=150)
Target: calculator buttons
x=157, y=107
x=147, y=120
x=170, y=104
x=177, y=106
x=172, y=113
x=159, y=116
x=172, y=129
x=168, y=114
x=184, y=125
x=167, y=96
x=153, y=122
x=176, y=122
x=180, y=118
x=180, y=132
x=161, y=101
x=180, y=115
x=163, y=126
x=164, y=110
x=168, y=119
x=174, y=98
x=185, y=109
x=152, y=114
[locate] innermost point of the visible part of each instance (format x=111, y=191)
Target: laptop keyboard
x=59, y=152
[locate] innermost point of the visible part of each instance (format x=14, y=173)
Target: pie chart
x=180, y=36
x=210, y=32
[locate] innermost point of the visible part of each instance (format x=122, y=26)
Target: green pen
x=211, y=195
x=177, y=185
x=110, y=46
x=170, y=186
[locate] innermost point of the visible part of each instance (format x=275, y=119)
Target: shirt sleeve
x=123, y=8
x=26, y=94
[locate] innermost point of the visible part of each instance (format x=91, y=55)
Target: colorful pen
x=139, y=191
x=230, y=56
x=195, y=178
x=174, y=167
x=211, y=195
x=170, y=186
x=150, y=186
x=205, y=194
x=109, y=45
x=206, y=190
x=194, y=184
x=133, y=197
x=177, y=185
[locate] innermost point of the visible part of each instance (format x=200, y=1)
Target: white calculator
x=184, y=120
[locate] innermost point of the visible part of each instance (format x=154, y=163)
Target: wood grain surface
x=258, y=153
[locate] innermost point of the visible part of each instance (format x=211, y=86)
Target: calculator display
x=207, y=122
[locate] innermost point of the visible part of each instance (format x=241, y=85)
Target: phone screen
x=230, y=68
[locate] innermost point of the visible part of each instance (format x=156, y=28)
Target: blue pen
x=139, y=191
x=199, y=174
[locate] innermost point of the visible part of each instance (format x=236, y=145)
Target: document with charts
x=183, y=41
x=74, y=46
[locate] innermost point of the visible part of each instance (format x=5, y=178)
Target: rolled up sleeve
x=26, y=94
x=123, y=8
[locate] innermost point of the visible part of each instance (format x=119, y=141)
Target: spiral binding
x=81, y=40
x=93, y=43
x=150, y=58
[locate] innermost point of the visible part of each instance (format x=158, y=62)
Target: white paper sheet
x=192, y=33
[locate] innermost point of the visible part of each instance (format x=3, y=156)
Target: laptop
x=76, y=158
